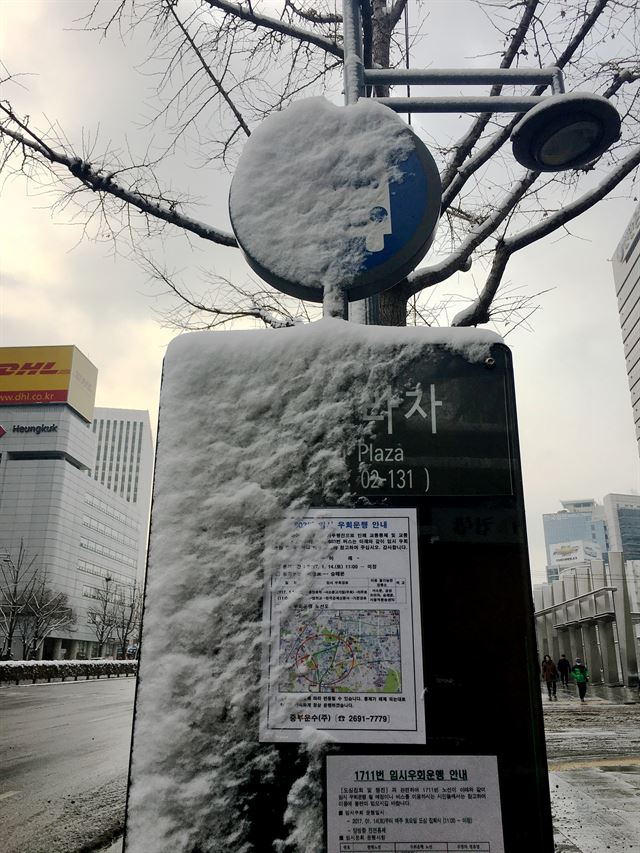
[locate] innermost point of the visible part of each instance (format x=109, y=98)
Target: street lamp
x=368, y=231
x=565, y=132
x=557, y=132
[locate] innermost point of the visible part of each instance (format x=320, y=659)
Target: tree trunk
x=392, y=308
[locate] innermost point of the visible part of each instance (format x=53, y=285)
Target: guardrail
x=14, y=672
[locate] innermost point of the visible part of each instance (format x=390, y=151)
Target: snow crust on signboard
x=253, y=424
x=307, y=181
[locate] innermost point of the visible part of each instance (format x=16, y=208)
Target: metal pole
x=353, y=65
x=497, y=104
x=463, y=76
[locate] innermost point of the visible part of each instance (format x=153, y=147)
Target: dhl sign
x=46, y=376
x=13, y=368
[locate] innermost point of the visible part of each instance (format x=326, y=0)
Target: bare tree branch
x=459, y=259
x=230, y=302
x=480, y=310
x=210, y=74
x=18, y=578
x=454, y=179
x=93, y=179
x=313, y=16
x=275, y=25
x=226, y=65
x=395, y=13
x=463, y=148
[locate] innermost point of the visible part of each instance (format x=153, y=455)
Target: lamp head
x=565, y=132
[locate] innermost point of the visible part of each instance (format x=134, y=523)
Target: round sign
x=341, y=197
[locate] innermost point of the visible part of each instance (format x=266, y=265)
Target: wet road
x=64, y=751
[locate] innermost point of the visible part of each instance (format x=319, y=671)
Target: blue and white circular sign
x=327, y=196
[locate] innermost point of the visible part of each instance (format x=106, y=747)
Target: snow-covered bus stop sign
x=334, y=197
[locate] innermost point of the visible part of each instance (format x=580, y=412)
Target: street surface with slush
x=64, y=750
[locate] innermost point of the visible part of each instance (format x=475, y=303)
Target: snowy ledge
x=471, y=343
x=15, y=671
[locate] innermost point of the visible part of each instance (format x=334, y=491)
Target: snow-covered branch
x=247, y=13
x=464, y=147
x=312, y=15
x=224, y=303
x=458, y=171
x=480, y=310
x=97, y=181
x=459, y=259
x=570, y=211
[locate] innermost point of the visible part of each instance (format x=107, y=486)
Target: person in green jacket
x=580, y=675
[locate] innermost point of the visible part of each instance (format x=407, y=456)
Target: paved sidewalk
x=593, y=750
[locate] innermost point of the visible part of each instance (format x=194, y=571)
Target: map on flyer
x=342, y=646
x=343, y=651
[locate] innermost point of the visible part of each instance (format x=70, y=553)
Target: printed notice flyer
x=343, y=639
x=448, y=803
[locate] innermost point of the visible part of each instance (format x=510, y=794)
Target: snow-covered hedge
x=36, y=670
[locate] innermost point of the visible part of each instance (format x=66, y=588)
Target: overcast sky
x=576, y=428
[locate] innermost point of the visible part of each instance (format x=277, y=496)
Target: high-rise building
x=577, y=533
x=124, y=463
x=622, y=514
x=626, y=274
x=88, y=540
x=585, y=530
x=124, y=454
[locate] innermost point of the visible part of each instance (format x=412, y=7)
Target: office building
x=585, y=530
x=576, y=533
x=626, y=274
x=622, y=515
x=124, y=463
x=590, y=605
x=88, y=540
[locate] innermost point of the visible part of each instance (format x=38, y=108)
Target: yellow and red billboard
x=47, y=375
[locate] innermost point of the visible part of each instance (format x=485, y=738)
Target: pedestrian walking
x=580, y=675
x=563, y=668
x=550, y=676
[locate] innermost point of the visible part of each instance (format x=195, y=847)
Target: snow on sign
x=343, y=647
x=402, y=803
x=327, y=196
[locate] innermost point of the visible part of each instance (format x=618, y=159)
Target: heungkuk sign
x=313, y=595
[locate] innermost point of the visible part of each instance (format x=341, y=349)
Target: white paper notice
x=402, y=803
x=344, y=648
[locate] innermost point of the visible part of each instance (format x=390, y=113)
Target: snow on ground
x=594, y=760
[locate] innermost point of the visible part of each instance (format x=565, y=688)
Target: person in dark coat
x=550, y=676
x=563, y=668
x=580, y=675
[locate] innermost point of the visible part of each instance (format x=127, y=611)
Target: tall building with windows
x=124, y=464
x=576, y=533
x=626, y=275
x=622, y=514
x=88, y=536
x=585, y=530
x=124, y=453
